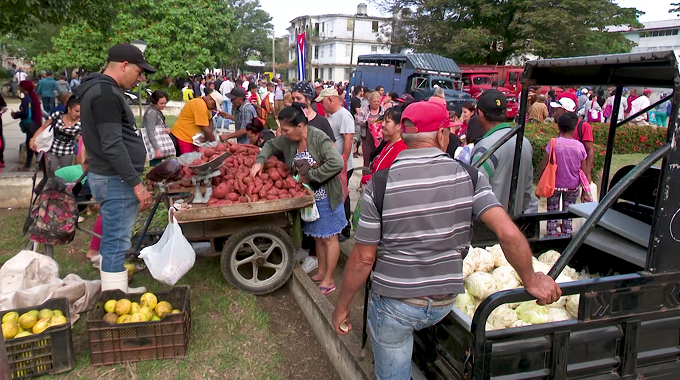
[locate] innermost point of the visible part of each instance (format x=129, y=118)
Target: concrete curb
x=16, y=189
x=343, y=351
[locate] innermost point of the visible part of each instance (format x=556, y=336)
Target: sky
x=282, y=11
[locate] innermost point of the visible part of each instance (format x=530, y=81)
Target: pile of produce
x=486, y=271
x=147, y=309
x=235, y=185
x=31, y=322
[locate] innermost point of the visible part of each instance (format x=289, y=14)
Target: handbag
x=546, y=185
x=164, y=141
x=43, y=142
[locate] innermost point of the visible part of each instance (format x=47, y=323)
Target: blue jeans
x=227, y=107
x=118, y=208
x=392, y=323
x=48, y=104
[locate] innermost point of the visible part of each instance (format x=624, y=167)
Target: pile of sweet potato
x=235, y=185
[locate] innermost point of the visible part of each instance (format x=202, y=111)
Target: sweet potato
x=248, y=180
x=281, y=166
x=274, y=175
x=272, y=197
x=220, y=191
x=232, y=197
x=278, y=184
x=208, y=152
x=257, y=188
x=292, y=191
x=249, y=162
x=255, y=198
x=251, y=189
x=258, y=181
x=264, y=176
x=262, y=193
x=233, y=148
x=289, y=183
x=285, y=196
x=243, y=200
x=197, y=162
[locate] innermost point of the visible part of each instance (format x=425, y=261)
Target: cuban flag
x=301, y=73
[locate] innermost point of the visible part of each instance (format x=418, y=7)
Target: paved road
x=13, y=137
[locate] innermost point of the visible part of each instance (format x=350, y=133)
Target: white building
x=654, y=36
x=329, y=42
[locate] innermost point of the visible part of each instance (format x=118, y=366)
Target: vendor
x=244, y=112
x=196, y=117
x=257, y=134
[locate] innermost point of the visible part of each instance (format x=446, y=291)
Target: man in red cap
x=640, y=103
x=415, y=221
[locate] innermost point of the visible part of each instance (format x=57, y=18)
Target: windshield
x=443, y=83
x=481, y=81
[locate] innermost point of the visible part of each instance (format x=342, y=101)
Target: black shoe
x=342, y=238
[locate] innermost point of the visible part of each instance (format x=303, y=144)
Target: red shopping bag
x=546, y=185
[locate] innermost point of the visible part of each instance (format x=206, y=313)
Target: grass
x=230, y=336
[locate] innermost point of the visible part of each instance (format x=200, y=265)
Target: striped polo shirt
x=426, y=222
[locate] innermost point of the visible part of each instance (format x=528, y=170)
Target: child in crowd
x=570, y=155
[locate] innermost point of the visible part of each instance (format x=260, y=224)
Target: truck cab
x=628, y=320
x=422, y=87
x=475, y=82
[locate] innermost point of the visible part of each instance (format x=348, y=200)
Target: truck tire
x=258, y=260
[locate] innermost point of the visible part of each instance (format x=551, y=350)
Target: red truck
x=479, y=78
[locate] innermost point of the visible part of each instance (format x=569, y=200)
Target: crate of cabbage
x=133, y=327
x=486, y=271
x=38, y=339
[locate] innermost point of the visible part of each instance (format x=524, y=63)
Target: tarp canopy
x=419, y=61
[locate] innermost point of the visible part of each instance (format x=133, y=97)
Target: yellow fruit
x=23, y=334
x=41, y=325
x=45, y=313
x=148, y=314
x=163, y=308
x=149, y=300
x=26, y=321
x=10, y=329
x=137, y=317
x=130, y=268
x=20, y=329
x=175, y=311
x=135, y=308
x=12, y=316
x=123, y=306
x=34, y=313
x=110, y=306
x=58, y=312
x=57, y=320
x=155, y=318
x=111, y=318
x=123, y=319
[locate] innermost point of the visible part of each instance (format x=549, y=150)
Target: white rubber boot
x=118, y=281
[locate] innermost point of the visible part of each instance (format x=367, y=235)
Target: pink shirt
x=569, y=154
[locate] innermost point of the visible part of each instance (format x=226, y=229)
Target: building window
x=323, y=48
x=374, y=49
x=316, y=73
x=374, y=27
x=348, y=50
x=330, y=50
x=347, y=73
x=316, y=52
x=316, y=28
x=350, y=24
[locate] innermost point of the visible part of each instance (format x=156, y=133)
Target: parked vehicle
x=476, y=81
x=628, y=319
x=132, y=96
x=414, y=74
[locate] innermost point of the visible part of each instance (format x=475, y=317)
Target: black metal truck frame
x=628, y=325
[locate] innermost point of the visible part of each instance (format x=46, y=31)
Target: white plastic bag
x=43, y=142
x=310, y=213
x=172, y=257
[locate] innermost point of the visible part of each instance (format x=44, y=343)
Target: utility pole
x=351, y=51
x=273, y=54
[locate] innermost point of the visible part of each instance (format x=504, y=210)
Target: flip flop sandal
x=326, y=291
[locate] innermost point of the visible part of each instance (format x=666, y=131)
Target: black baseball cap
x=237, y=92
x=131, y=54
x=492, y=102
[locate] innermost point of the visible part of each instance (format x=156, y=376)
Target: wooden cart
x=253, y=240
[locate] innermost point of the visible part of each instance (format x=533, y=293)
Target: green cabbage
x=506, y=278
x=532, y=312
x=481, y=285
x=465, y=303
x=499, y=259
x=557, y=314
x=572, y=304
x=480, y=259
x=502, y=317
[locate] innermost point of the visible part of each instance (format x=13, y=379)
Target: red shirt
x=385, y=159
x=319, y=109
x=253, y=98
x=587, y=132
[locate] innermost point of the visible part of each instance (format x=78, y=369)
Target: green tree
x=19, y=16
x=490, y=31
x=182, y=36
x=676, y=9
x=28, y=45
x=252, y=37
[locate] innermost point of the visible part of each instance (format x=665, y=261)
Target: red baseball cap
x=426, y=117
x=569, y=95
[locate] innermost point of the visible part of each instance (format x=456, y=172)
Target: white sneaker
x=309, y=264
x=81, y=219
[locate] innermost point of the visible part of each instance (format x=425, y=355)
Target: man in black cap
x=491, y=114
x=244, y=112
x=116, y=155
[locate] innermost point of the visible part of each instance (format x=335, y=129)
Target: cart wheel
x=258, y=260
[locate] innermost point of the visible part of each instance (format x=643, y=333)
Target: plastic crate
x=133, y=342
x=47, y=353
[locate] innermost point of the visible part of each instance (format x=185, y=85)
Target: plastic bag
x=172, y=257
x=43, y=142
x=310, y=213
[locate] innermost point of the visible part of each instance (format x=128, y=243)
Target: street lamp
x=141, y=45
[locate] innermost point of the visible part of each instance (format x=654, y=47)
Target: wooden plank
x=200, y=212
x=617, y=222
x=617, y=246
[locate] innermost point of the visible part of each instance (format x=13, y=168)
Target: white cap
x=217, y=97
x=584, y=90
x=565, y=103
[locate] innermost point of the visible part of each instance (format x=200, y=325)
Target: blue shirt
x=47, y=88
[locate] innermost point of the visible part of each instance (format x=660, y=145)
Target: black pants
x=29, y=151
x=348, y=228
x=2, y=142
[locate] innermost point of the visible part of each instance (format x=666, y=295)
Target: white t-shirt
x=245, y=85
x=226, y=87
x=20, y=76
x=640, y=103
x=342, y=123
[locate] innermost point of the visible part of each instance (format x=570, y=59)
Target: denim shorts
x=330, y=222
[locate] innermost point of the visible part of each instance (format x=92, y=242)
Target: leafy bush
x=173, y=92
x=629, y=139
